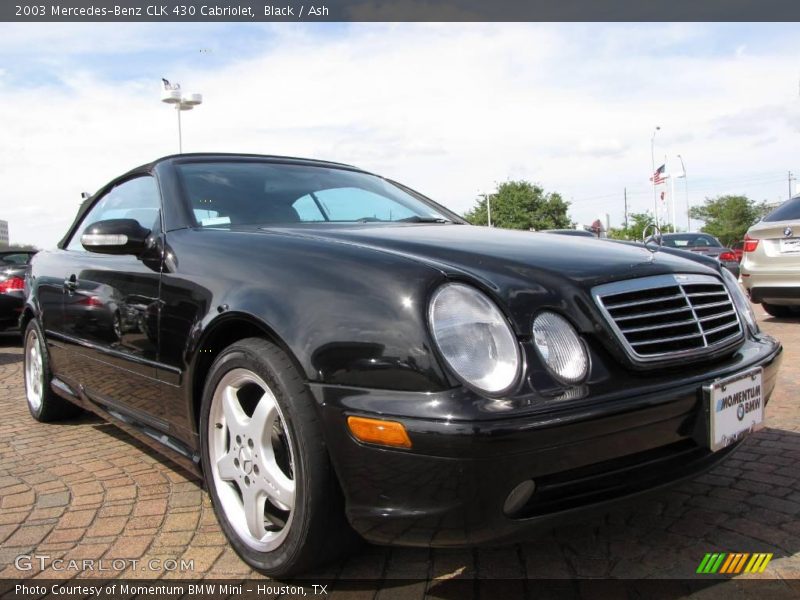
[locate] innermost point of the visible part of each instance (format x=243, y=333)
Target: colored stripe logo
x=734, y=563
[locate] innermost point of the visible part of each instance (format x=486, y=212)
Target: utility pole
x=791, y=178
x=625, y=192
x=488, y=198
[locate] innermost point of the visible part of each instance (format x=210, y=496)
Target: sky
x=448, y=109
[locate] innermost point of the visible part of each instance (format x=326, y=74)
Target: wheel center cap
x=246, y=460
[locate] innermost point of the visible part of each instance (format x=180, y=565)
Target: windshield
x=788, y=211
x=255, y=193
x=689, y=240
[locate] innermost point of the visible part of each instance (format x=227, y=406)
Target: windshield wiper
x=420, y=219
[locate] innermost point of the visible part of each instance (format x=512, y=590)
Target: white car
x=770, y=267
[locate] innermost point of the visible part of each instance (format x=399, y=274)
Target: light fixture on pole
x=686, y=187
x=653, y=162
x=172, y=94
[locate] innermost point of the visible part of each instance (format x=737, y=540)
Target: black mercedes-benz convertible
x=339, y=356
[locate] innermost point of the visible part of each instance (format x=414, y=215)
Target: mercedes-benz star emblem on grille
x=787, y=232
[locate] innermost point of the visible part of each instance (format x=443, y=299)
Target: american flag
x=659, y=177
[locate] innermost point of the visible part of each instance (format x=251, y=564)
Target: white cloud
x=448, y=109
x=601, y=148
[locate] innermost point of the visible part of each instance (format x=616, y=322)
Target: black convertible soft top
x=148, y=168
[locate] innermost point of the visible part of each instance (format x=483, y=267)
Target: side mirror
x=115, y=236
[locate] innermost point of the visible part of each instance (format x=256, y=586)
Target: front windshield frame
x=421, y=208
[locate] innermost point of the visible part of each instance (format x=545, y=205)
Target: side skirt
x=142, y=427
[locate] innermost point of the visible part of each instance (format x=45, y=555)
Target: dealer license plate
x=736, y=406
x=790, y=245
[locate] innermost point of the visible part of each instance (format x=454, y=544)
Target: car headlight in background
x=474, y=338
x=559, y=346
x=740, y=301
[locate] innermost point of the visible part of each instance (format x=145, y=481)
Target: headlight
x=560, y=348
x=474, y=338
x=740, y=301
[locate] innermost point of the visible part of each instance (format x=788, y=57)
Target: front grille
x=668, y=316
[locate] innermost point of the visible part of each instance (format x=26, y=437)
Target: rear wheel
x=266, y=464
x=777, y=310
x=44, y=405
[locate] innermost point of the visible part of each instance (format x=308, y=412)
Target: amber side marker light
x=377, y=431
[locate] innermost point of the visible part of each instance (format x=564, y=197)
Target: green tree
x=728, y=217
x=522, y=205
x=637, y=222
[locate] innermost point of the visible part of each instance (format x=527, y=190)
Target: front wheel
x=266, y=465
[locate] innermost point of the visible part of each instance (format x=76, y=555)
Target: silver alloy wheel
x=251, y=458
x=34, y=371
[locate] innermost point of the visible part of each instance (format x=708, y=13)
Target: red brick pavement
x=85, y=490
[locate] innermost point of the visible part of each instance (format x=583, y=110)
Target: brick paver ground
x=86, y=490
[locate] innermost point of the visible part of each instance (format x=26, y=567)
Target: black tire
x=777, y=310
x=50, y=406
x=318, y=531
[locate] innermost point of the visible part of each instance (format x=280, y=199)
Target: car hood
x=499, y=255
x=524, y=272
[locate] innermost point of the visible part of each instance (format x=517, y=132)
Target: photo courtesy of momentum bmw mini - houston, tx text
x=340, y=357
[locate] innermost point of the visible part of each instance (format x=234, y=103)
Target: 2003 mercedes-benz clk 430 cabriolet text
x=339, y=356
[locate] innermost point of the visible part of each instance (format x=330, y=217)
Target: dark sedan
x=705, y=244
x=339, y=356
x=13, y=267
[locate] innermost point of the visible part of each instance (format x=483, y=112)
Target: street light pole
x=180, y=133
x=653, y=163
x=171, y=94
x=686, y=187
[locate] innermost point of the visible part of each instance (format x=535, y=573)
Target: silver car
x=770, y=265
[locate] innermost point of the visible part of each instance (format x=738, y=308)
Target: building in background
x=3, y=233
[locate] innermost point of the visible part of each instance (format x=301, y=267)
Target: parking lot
x=86, y=490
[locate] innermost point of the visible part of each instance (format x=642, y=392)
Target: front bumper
x=450, y=489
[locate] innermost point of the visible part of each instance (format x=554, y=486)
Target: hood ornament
x=653, y=241
x=787, y=232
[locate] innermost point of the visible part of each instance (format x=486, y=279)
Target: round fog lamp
x=519, y=497
x=560, y=348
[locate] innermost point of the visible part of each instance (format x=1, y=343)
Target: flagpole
x=686, y=188
x=672, y=198
x=653, y=162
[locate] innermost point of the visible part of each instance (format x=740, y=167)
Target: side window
x=136, y=199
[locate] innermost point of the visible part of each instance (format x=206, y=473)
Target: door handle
x=71, y=283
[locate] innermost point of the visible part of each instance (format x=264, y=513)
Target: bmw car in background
x=703, y=244
x=339, y=356
x=771, y=261
x=14, y=264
